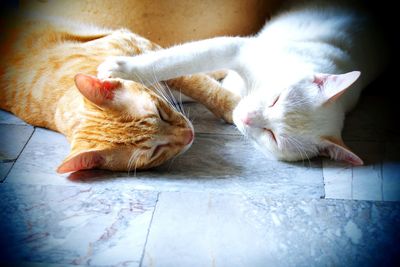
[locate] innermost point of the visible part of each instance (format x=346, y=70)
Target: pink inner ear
x=97, y=91
x=353, y=160
x=320, y=80
x=83, y=161
x=333, y=86
x=337, y=150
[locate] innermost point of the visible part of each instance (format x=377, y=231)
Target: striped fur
x=135, y=129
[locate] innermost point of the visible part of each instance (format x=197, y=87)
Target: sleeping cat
x=112, y=124
x=297, y=77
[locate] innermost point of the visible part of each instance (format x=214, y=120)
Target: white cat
x=301, y=74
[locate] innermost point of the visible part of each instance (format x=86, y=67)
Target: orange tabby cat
x=112, y=124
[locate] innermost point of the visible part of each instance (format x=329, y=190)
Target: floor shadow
x=205, y=160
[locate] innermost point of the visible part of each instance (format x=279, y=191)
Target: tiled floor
x=220, y=204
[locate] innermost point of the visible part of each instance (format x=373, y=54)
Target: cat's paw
x=115, y=67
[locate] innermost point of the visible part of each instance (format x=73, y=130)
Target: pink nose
x=246, y=120
x=189, y=136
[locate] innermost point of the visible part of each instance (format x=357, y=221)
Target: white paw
x=114, y=67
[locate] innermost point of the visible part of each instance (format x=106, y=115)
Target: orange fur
x=218, y=100
x=130, y=127
x=122, y=130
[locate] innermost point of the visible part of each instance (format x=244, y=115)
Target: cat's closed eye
x=163, y=116
x=274, y=102
x=271, y=133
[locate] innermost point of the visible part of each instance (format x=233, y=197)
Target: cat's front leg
x=147, y=69
x=190, y=58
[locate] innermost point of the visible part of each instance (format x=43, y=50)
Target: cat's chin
x=272, y=152
x=184, y=149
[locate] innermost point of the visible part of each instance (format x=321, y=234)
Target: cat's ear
x=335, y=149
x=334, y=85
x=81, y=161
x=100, y=93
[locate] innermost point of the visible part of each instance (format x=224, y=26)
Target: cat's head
x=303, y=121
x=124, y=126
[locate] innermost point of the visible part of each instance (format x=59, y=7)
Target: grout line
x=323, y=180
x=148, y=231
x=19, y=154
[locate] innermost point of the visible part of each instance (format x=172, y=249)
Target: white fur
x=307, y=40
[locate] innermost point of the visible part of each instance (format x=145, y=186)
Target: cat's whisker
x=157, y=87
x=188, y=115
x=162, y=93
x=288, y=144
x=154, y=78
x=296, y=146
x=181, y=103
x=170, y=99
x=162, y=90
x=299, y=146
x=134, y=158
x=175, y=104
x=166, y=94
x=138, y=78
x=136, y=163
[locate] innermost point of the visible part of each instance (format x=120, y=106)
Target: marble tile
x=12, y=140
x=391, y=172
x=205, y=122
x=215, y=163
x=338, y=179
x=201, y=229
x=40, y=159
x=367, y=179
x=8, y=118
x=343, y=181
x=93, y=226
x=4, y=169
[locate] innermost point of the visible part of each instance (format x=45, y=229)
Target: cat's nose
x=249, y=118
x=188, y=136
x=246, y=120
x=253, y=119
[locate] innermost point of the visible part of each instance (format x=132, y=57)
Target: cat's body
x=299, y=76
x=112, y=124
